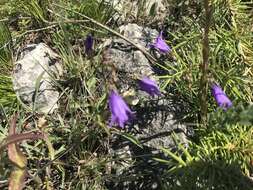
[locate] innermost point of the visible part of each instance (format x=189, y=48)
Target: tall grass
x=7, y=95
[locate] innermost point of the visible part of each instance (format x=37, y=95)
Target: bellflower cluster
x=220, y=97
x=120, y=112
x=160, y=44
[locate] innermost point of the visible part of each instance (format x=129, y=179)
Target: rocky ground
x=66, y=57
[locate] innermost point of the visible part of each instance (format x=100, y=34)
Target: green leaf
x=174, y=156
x=132, y=139
x=37, y=87
x=153, y=9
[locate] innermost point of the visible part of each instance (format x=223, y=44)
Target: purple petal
x=220, y=97
x=120, y=111
x=88, y=44
x=160, y=44
x=150, y=86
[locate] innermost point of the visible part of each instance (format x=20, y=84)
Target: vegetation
x=71, y=147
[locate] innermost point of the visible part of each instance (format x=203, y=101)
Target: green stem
x=204, y=65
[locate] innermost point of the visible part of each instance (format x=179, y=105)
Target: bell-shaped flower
x=160, y=44
x=88, y=44
x=120, y=112
x=220, y=97
x=150, y=86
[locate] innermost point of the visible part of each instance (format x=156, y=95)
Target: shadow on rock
x=134, y=166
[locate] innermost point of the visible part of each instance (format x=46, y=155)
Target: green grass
x=218, y=157
x=6, y=91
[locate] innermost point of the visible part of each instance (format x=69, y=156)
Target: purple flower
x=120, y=111
x=88, y=44
x=149, y=86
x=221, y=98
x=160, y=44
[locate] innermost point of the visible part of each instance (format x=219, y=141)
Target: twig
x=4, y=20
x=204, y=65
x=66, y=20
x=13, y=19
x=138, y=46
x=37, y=30
x=53, y=25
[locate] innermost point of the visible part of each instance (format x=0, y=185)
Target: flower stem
x=204, y=65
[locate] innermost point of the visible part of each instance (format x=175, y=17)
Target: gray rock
x=148, y=10
x=37, y=65
x=129, y=61
x=156, y=118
